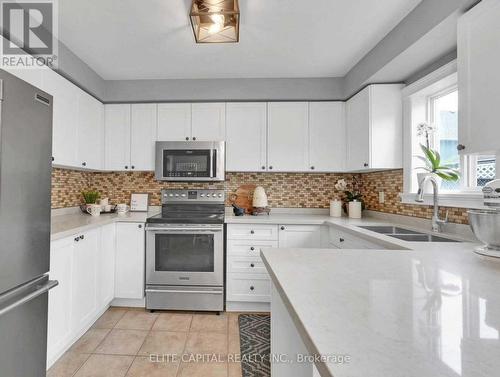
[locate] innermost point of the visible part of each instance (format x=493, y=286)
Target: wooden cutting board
x=243, y=197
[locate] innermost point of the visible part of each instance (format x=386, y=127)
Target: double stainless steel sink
x=406, y=234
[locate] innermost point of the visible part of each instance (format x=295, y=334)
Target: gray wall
x=425, y=17
x=224, y=90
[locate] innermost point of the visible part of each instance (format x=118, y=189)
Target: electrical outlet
x=381, y=197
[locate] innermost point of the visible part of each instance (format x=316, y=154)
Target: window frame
x=437, y=83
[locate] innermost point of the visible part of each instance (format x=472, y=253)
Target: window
x=433, y=101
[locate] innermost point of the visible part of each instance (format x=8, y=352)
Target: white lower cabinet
x=106, y=266
x=60, y=298
x=300, y=236
x=130, y=259
x=84, y=287
x=340, y=239
x=248, y=287
x=84, y=266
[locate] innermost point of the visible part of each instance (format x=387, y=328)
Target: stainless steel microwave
x=190, y=161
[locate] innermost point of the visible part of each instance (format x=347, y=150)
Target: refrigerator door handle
x=12, y=303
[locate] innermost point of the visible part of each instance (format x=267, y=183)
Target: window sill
x=459, y=200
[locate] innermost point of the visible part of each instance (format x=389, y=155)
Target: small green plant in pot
x=90, y=196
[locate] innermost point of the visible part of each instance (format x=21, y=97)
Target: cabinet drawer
x=252, y=232
x=248, y=248
x=248, y=287
x=239, y=264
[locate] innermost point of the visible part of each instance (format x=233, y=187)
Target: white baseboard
x=236, y=306
x=129, y=302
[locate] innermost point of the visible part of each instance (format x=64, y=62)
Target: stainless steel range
x=185, y=252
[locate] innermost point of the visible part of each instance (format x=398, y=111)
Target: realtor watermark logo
x=30, y=33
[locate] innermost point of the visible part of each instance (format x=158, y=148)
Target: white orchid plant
x=350, y=195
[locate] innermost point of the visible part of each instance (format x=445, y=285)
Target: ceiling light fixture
x=215, y=21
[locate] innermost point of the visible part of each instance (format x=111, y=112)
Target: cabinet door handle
x=271, y=167
x=139, y=226
x=282, y=228
x=263, y=168
x=53, y=159
x=252, y=265
x=312, y=167
x=341, y=240
x=82, y=237
x=252, y=287
x=252, y=232
x=84, y=163
x=460, y=147
x=365, y=164
x=77, y=239
x=194, y=138
x=252, y=248
x=132, y=167
x=187, y=138
x=126, y=166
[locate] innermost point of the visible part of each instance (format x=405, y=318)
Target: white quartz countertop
x=65, y=225
x=432, y=310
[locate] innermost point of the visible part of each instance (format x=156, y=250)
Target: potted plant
x=350, y=195
x=90, y=196
x=433, y=165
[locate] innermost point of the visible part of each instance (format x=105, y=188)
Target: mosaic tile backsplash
x=285, y=190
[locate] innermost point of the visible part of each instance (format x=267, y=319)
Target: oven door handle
x=191, y=230
x=182, y=291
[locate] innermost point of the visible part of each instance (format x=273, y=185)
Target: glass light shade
x=215, y=21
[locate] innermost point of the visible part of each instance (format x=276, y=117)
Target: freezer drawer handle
x=40, y=291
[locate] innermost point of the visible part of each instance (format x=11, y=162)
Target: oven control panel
x=212, y=196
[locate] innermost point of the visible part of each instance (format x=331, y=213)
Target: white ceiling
x=152, y=39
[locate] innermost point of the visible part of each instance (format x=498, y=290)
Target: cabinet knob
x=187, y=138
x=132, y=167
x=252, y=265
x=365, y=164
x=194, y=138
x=84, y=163
x=126, y=166
x=252, y=288
x=252, y=248
x=282, y=228
x=263, y=168
x=312, y=167
x=460, y=147
x=270, y=168
x=341, y=240
x=82, y=237
x=139, y=226
x=77, y=239
x=53, y=159
x=252, y=232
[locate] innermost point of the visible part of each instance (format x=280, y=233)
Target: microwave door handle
x=212, y=175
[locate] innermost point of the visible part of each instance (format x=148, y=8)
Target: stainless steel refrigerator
x=25, y=183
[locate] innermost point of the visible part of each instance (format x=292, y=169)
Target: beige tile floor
x=120, y=343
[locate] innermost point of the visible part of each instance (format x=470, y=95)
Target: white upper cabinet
x=117, y=137
x=374, y=128
x=143, y=136
x=90, y=132
x=208, y=121
x=174, y=121
x=327, y=136
x=479, y=78
x=246, y=134
x=65, y=121
x=287, y=138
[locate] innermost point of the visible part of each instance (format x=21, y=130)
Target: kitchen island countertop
x=430, y=310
